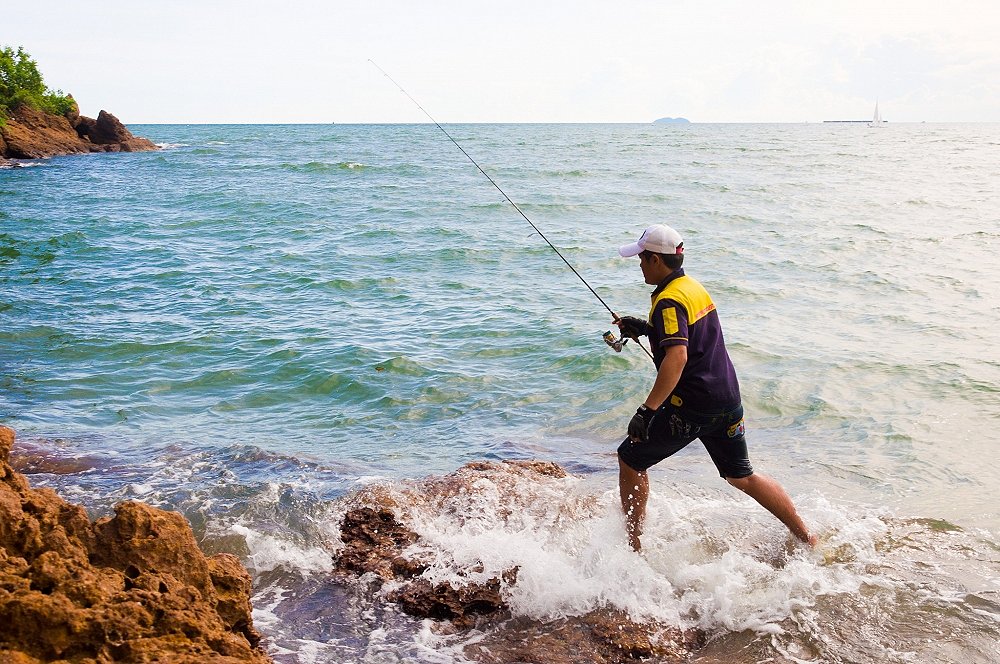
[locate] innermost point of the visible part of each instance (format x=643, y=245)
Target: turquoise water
x=255, y=321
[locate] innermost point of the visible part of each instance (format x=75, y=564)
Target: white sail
x=877, y=119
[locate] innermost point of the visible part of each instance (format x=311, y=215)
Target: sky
x=223, y=61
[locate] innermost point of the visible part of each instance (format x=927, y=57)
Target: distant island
x=672, y=121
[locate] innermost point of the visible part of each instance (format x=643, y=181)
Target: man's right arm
x=632, y=327
x=667, y=375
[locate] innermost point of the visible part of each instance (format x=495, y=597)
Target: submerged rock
x=599, y=637
x=134, y=587
x=378, y=546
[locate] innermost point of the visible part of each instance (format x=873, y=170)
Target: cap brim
x=628, y=250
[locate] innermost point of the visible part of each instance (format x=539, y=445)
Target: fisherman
x=695, y=395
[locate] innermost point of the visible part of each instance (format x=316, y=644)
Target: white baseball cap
x=659, y=239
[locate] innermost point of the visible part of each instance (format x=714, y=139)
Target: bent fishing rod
x=609, y=337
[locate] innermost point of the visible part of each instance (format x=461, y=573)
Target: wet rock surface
x=600, y=637
x=130, y=588
x=378, y=546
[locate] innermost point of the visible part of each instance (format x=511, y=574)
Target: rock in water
x=378, y=546
x=108, y=131
x=134, y=587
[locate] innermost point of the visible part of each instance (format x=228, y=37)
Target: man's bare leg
x=634, y=489
x=773, y=497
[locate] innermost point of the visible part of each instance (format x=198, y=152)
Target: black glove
x=638, y=427
x=632, y=327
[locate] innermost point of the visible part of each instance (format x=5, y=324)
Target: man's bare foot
x=633, y=541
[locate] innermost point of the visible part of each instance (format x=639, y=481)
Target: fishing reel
x=617, y=344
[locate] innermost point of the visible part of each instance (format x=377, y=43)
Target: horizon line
x=511, y=122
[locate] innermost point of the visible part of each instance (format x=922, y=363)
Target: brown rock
x=109, y=132
x=233, y=586
x=134, y=587
x=33, y=134
x=6, y=444
x=442, y=601
x=73, y=114
x=599, y=637
x=85, y=127
x=108, y=129
x=144, y=538
x=376, y=542
x=547, y=468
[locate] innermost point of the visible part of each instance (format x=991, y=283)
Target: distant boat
x=877, y=120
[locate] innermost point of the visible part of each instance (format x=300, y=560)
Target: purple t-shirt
x=683, y=313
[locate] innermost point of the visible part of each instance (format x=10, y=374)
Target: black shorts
x=673, y=427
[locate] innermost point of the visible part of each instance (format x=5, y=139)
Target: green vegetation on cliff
x=21, y=83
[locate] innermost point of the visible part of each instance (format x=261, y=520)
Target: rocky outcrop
x=33, y=134
x=108, y=132
x=376, y=545
x=130, y=588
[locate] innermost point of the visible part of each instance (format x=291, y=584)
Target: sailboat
x=877, y=120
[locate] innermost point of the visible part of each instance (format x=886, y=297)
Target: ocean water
x=256, y=323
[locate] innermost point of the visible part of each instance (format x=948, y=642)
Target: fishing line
x=519, y=210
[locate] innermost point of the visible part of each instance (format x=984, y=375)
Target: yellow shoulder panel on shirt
x=689, y=294
x=670, y=325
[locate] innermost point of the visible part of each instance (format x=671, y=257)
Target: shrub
x=21, y=83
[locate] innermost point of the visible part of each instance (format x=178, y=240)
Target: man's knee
x=741, y=483
x=626, y=462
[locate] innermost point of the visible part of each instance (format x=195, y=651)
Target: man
x=695, y=395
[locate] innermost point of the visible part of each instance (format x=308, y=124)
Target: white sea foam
x=140, y=489
x=172, y=146
x=366, y=480
x=712, y=561
x=268, y=553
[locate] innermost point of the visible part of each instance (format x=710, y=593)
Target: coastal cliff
x=30, y=133
x=130, y=588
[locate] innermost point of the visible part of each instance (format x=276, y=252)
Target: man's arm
x=667, y=375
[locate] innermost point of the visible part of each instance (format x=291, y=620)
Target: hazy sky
x=517, y=61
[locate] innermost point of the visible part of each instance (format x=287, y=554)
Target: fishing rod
x=608, y=337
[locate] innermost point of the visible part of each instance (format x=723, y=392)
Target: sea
x=256, y=324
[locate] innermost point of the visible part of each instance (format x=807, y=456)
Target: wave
x=21, y=164
x=322, y=166
x=713, y=563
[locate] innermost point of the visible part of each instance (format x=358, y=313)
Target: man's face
x=646, y=264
